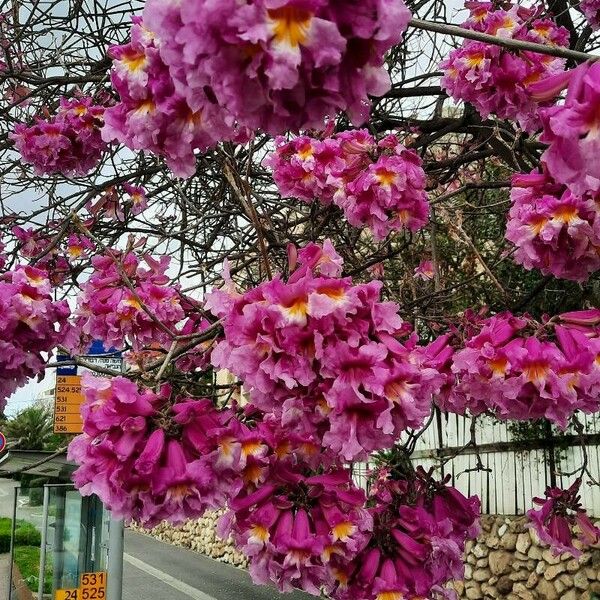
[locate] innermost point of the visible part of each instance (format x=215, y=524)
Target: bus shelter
x=63, y=545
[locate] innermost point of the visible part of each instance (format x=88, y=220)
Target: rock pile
x=199, y=535
x=508, y=562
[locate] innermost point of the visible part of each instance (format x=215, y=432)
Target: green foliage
x=5, y=535
x=36, y=491
x=522, y=431
x=27, y=559
x=25, y=480
x=540, y=429
x=31, y=429
x=26, y=534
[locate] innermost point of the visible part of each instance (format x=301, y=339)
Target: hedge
x=25, y=534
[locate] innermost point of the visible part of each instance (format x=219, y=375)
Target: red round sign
x=2, y=441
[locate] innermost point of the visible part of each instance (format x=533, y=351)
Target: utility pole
x=114, y=583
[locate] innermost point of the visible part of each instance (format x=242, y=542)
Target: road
x=154, y=570
x=33, y=514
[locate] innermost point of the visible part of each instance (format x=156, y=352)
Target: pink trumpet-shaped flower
x=137, y=197
x=68, y=143
x=518, y=369
x=152, y=115
x=109, y=310
x=425, y=270
x=553, y=230
x=31, y=324
x=495, y=80
x=379, y=185
x=278, y=66
x=326, y=356
x=298, y=528
x=591, y=10
x=419, y=532
x=152, y=456
x=558, y=514
x=572, y=131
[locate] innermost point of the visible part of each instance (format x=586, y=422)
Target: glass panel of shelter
x=75, y=537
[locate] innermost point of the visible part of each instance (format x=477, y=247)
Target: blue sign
x=96, y=351
x=2, y=441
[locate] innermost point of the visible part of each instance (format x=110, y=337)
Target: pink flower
x=137, y=197
x=554, y=230
x=296, y=528
x=495, y=80
x=389, y=196
x=110, y=311
x=326, y=356
x=278, y=66
x=419, y=532
x=68, y=143
x=151, y=456
x=302, y=166
x=152, y=115
x=378, y=185
x=591, y=10
x=31, y=323
x=572, y=132
x=425, y=270
x=561, y=511
x=78, y=246
x=517, y=369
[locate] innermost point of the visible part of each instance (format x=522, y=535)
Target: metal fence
x=515, y=469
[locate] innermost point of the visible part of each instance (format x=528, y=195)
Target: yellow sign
x=71, y=594
x=93, y=586
x=68, y=399
x=68, y=395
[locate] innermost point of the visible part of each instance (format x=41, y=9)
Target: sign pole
x=12, y=543
x=43, y=543
x=114, y=584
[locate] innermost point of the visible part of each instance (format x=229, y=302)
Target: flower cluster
x=152, y=115
x=297, y=528
x=553, y=230
x=70, y=143
x=37, y=243
x=325, y=356
x=518, y=369
x=419, y=532
x=591, y=10
x=30, y=323
x=278, y=66
x=152, y=456
x=124, y=302
x=380, y=185
x=560, y=511
x=572, y=131
x=496, y=80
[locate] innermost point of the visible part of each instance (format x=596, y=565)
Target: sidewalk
x=4, y=574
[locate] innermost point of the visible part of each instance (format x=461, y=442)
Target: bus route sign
x=68, y=395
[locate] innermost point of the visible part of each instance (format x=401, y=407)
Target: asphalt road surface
x=153, y=570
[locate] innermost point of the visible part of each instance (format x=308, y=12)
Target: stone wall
x=199, y=535
x=506, y=562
